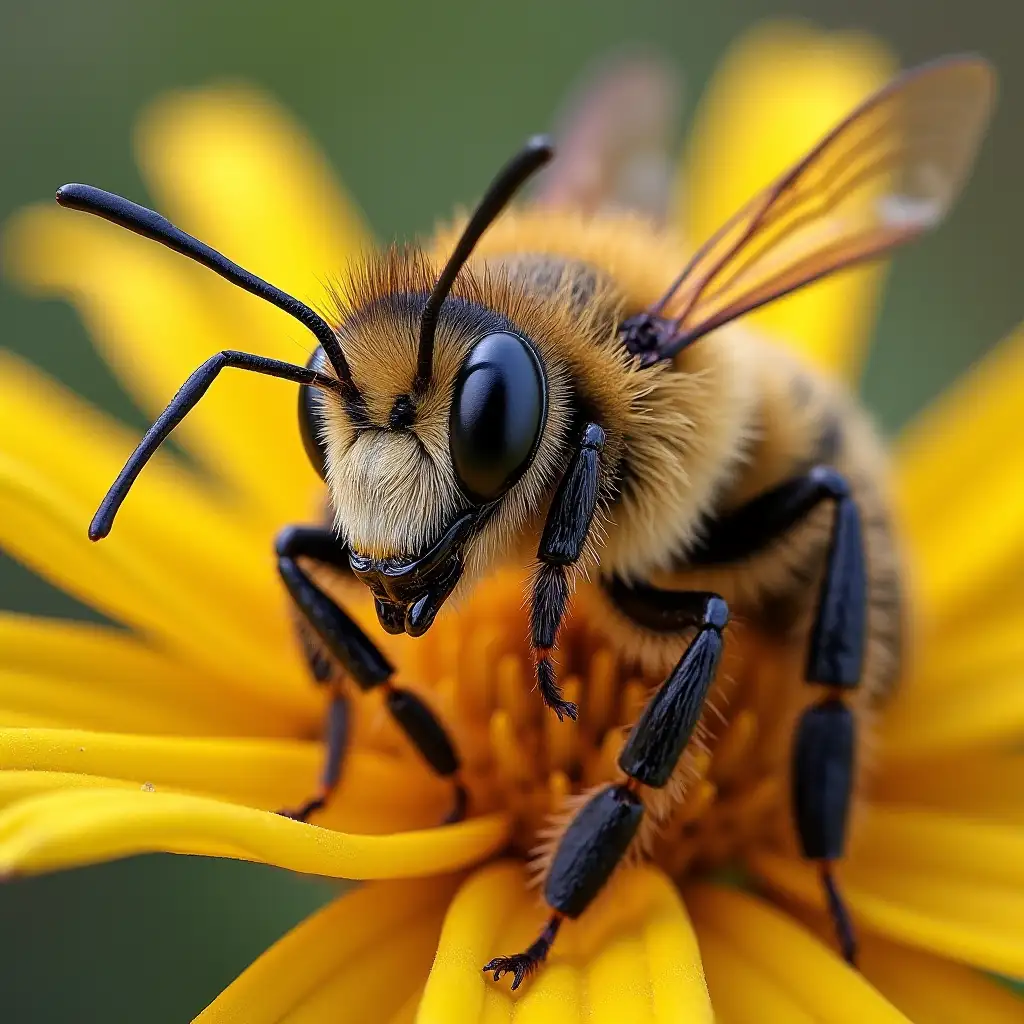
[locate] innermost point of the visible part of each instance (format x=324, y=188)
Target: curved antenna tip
x=536, y=152
x=98, y=528
x=541, y=144
x=72, y=194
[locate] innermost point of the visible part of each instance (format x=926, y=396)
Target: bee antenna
x=149, y=224
x=537, y=152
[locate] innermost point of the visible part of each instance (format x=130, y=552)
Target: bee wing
x=615, y=138
x=888, y=172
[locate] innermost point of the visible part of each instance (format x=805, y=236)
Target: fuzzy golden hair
x=682, y=424
x=729, y=418
x=394, y=492
x=674, y=433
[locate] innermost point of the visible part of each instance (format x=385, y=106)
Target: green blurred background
x=415, y=110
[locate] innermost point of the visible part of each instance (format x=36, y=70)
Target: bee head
x=443, y=415
x=424, y=407
x=432, y=479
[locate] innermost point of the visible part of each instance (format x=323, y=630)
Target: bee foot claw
x=519, y=966
x=522, y=965
x=564, y=708
x=303, y=812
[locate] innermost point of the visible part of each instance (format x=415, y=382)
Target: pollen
x=475, y=669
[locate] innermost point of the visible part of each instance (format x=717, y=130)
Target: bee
x=560, y=394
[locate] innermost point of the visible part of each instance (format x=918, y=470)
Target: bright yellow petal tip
x=378, y=793
x=975, y=921
x=964, y=550
x=241, y=175
x=758, y=957
x=633, y=957
x=362, y=958
x=932, y=990
x=86, y=826
x=778, y=91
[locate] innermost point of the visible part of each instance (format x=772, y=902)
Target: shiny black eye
x=311, y=420
x=497, y=415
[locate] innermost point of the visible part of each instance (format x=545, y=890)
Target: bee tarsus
x=362, y=662
x=336, y=736
x=459, y=806
x=601, y=832
x=522, y=965
x=561, y=545
x=845, y=934
x=824, y=754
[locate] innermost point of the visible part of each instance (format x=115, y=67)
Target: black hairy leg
x=600, y=833
x=561, y=545
x=824, y=750
x=825, y=741
x=337, y=634
x=668, y=720
x=835, y=653
x=336, y=734
x=589, y=851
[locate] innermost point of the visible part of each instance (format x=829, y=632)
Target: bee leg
x=666, y=724
x=561, y=544
x=361, y=660
x=599, y=835
x=823, y=772
x=823, y=753
x=836, y=651
x=336, y=735
x=522, y=965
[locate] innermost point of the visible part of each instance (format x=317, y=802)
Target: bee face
x=429, y=490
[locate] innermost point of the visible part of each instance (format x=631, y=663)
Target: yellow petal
x=949, y=657
x=359, y=959
x=974, y=784
x=810, y=974
x=406, y=1013
x=20, y=785
x=97, y=677
x=155, y=318
x=377, y=794
x=87, y=826
x=41, y=525
x=234, y=169
x=983, y=712
x=961, y=918
x=631, y=957
x=898, y=838
x=773, y=97
x=742, y=990
x=932, y=990
x=28, y=720
x=187, y=531
x=967, y=549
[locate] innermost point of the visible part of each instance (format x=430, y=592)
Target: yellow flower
x=186, y=734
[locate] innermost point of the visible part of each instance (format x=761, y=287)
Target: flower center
x=476, y=669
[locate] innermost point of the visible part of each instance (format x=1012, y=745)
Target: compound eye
x=497, y=415
x=311, y=420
